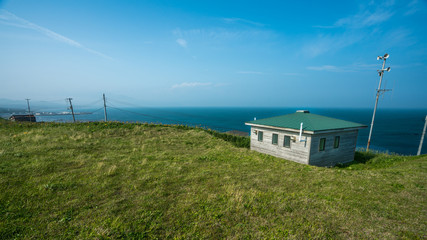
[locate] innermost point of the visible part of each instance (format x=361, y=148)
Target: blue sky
x=214, y=53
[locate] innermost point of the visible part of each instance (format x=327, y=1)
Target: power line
x=168, y=119
x=89, y=104
x=110, y=100
x=171, y=120
x=166, y=111
x=55, y=100
x=146, y=115
x=96, y=110
x=123, y=102
x=157, y=118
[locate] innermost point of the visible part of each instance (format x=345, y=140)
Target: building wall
x=298, y=151
x=331, y=156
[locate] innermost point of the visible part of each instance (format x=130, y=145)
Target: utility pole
x=422, y=137
x=71, y=107
x=105, y=108
x=379, y=92
x=28, y=104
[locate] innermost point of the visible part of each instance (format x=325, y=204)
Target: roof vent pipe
x=300, y=134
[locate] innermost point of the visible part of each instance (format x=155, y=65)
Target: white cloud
x=364, y=19
x=241, y=20
x=328, y=68
x=249, y=72
x=328, y=43
x=219, y=35
x=191, y=84
x=349, y=30
x=399, y=37
x=8, y=18
x=292, y=74
x=363, y=66
x=221, y=84
x=412, y=8
x=182, y=42
x=356, y=67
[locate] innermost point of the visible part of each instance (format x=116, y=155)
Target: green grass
x=114, y=180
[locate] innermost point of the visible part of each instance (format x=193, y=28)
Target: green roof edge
x=311, y=122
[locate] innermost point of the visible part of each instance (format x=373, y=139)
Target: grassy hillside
x=96, y=180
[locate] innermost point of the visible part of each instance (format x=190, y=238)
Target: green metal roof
x=311, y=122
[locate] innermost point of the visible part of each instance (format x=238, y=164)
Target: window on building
x=260, y=136
x=337, y=142
x=322, y=144
x=275, y=138
x=287, y=142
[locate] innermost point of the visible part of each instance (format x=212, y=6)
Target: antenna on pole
x=71, y=108
x=379, y=92
x=28, y=105
x=105, y=107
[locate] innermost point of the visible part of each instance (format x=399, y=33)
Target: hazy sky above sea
x=214, y=53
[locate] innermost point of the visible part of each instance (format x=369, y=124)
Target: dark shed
x=23, y=118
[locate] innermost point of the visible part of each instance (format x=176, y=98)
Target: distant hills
x=15, y=106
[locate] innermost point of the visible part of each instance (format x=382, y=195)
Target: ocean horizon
x=395, y=130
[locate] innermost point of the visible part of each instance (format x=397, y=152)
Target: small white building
x=306, y=138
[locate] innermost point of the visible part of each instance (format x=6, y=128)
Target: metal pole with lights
x=379, y=92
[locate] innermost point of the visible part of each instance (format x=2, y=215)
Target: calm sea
x=395, y=130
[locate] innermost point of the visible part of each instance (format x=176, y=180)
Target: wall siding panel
x=331, y=156
x=298, y=152
x=307, y=152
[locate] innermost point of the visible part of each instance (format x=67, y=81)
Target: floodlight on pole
x=379, y=92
